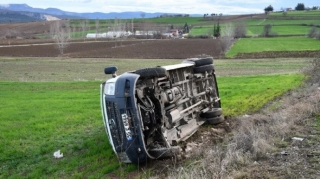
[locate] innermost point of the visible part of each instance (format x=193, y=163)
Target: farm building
x=146, y=32
x=111, y=34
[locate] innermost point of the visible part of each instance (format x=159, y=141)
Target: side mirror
x=111, y=70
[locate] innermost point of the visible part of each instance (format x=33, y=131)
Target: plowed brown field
x=151, y=49
x=177, y=49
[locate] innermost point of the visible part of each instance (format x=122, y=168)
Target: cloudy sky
x=166, y=6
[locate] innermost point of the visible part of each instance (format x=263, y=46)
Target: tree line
x=299, y=7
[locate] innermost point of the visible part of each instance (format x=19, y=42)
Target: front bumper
x=122, y=121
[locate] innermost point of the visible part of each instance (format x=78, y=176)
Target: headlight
x=109, y=88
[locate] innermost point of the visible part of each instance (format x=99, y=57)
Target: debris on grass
x=57, y=154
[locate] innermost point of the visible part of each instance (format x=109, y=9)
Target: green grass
x=255, y=27
x=251, y=45
x=313, y=13
x=201, y=30
x=40, y=118
x=247, y=94
x=283, y=22
x=256, y=30
x=280, y=30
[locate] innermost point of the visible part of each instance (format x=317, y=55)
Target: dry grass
x=91, y=69
x=254, y=139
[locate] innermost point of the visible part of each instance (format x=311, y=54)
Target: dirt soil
x=278, y=54
x=25, y=30
x=134, y=49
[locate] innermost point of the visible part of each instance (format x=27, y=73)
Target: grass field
x=38, y=118
x=280, y=30
x=281, y=27
x=202, y=30
x=250, y=45
x=247, y=94
x=312, y=13
x=91, y=69
x=255, y=22
x=295, y=23
x=256, y=30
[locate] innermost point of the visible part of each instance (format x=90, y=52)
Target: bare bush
x=313, y=32
x=240, y=29
x=267, y=31
x=313, y=71
x=318, y=36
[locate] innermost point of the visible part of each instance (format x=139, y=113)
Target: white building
x=109, y=35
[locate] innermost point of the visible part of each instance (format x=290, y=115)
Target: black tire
x=215, y=120
x=160, y=153
x=211, y=114
x=152, y=72
x=203, y=61
x=200, y=62
x=202, y=69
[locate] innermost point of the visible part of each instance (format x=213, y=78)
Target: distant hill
x=95, y=15
x=20, y=16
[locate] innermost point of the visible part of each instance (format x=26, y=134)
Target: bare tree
x=114, y=31
x=83, y=28
x=8, y=35
x=73, y=30
x=123, y=33
x=87, y=27
x=240, y=29
x=97, y=28
x=107, y=28
x=60, y=31
x=227, y=38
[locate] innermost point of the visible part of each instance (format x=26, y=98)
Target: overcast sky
x=166, y=6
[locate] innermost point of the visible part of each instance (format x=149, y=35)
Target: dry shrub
x=313, y=70
x=207, y=167
x=240, y=29
x=251, y=136
x=313, y=32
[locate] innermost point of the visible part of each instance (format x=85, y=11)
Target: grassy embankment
x=40, y=118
